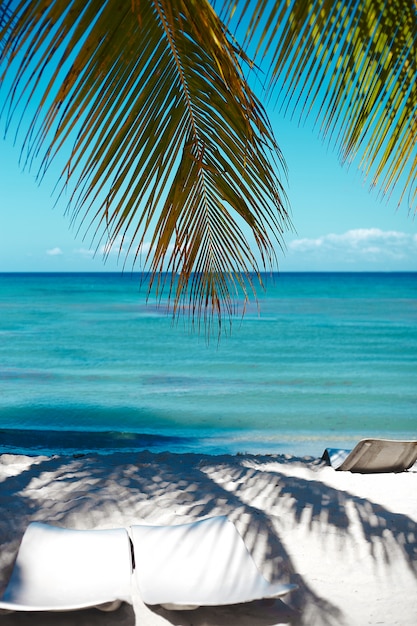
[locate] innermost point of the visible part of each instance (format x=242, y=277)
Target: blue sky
x=340, y=225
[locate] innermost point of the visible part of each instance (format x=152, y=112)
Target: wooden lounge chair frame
x=374, y=456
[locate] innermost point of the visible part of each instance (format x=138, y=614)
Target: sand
x=349, y=541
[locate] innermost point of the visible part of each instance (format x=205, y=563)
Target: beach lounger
x=374, y=455
x=183, y=566
x=204, y=563
x=62, y=570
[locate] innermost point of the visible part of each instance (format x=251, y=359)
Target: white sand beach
x=349, y=541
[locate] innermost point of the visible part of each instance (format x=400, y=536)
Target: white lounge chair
x=62, y=570
x=184, y=566
x=373, y=456
x=205, y=563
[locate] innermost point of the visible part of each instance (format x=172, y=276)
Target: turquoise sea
x=86, y=364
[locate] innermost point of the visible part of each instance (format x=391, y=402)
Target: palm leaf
x=5, y=24
x=167, y=142
x=351, y=63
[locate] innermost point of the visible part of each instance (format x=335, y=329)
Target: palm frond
x=351, y=63
x=5, y=26
x=168, y=144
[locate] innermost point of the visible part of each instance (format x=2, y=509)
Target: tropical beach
x=112, y=417
x=198, y=383
x=349, y=541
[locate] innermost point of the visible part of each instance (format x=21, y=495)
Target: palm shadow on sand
x=166, y=489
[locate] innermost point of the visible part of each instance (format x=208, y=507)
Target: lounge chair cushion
x=60, y=569
x=199, y=564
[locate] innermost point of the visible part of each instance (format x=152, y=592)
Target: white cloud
x=362, y=240
x=54, y=252
x=85, y=252
x=358, y=246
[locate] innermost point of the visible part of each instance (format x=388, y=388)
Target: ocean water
x=86, y=364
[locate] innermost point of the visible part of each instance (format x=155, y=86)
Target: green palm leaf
x=353, y=64
x=168, y=144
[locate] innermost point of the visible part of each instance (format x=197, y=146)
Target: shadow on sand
x=88, y=491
